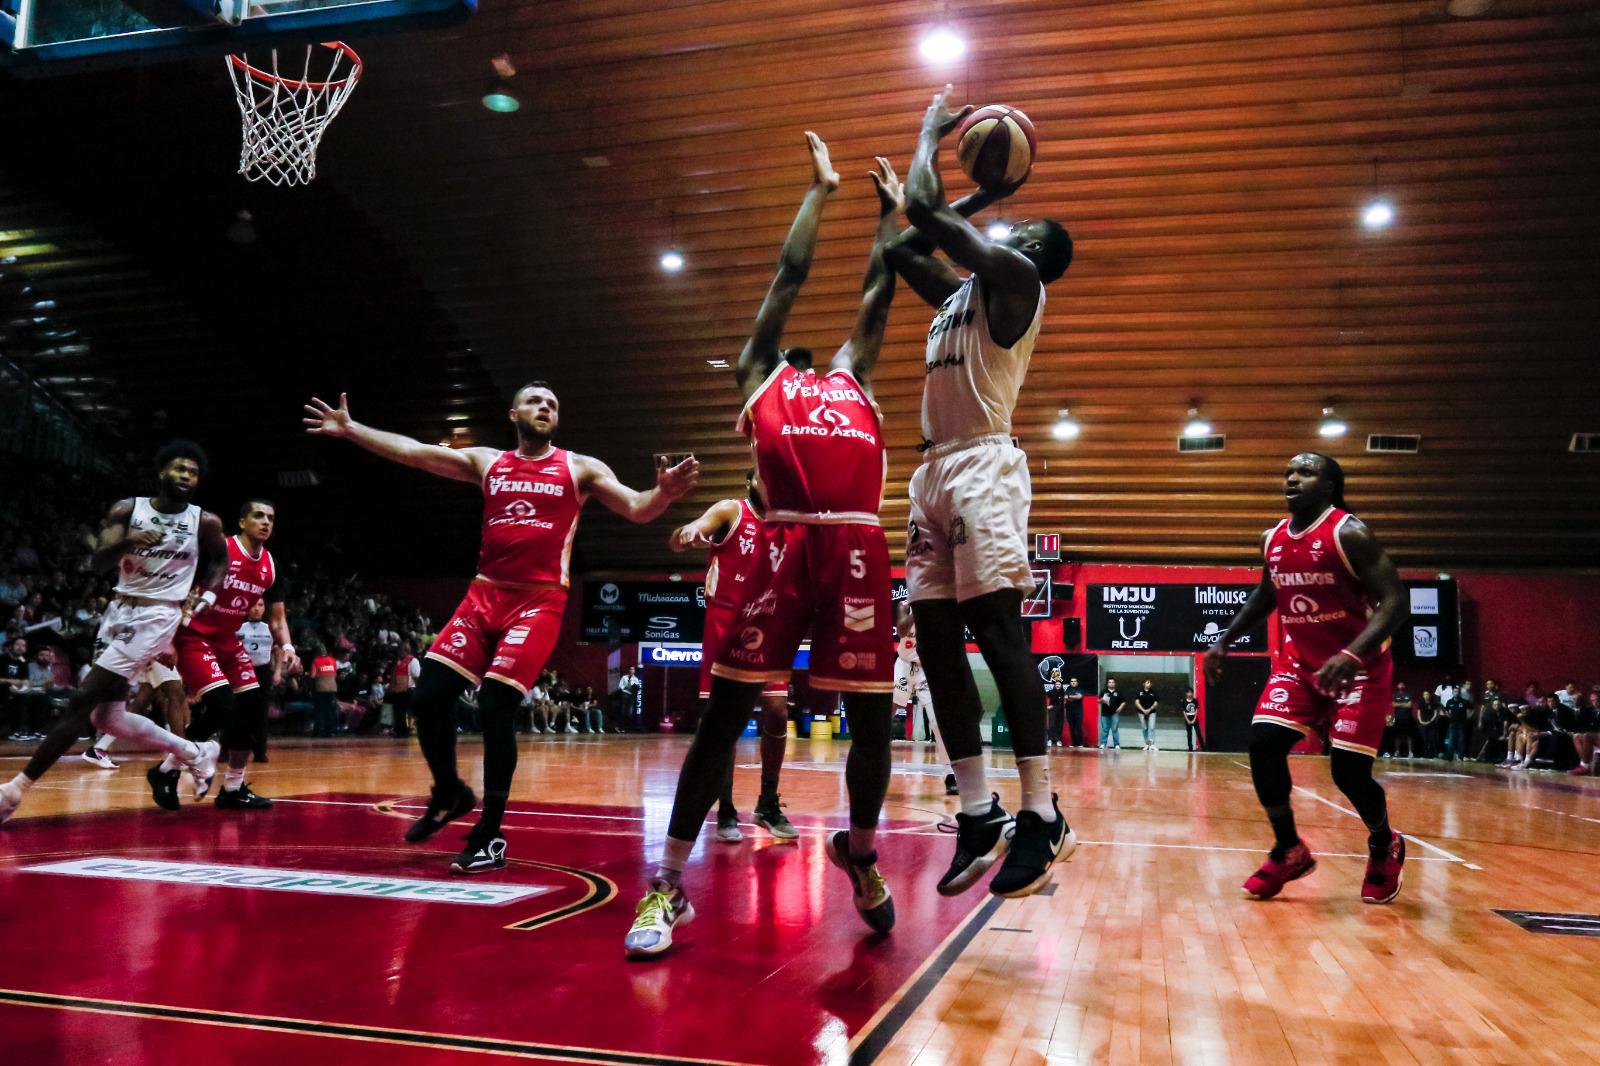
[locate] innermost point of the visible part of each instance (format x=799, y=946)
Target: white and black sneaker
x=981, y=839
x=484, y=851
x=662, y=910
x=1036, y=845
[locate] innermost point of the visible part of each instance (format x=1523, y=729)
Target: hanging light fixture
x=941, y=45
x=1065, y=428
x=498, y=95
x=672, y=259
x=1196, y=426
x=1331, y=425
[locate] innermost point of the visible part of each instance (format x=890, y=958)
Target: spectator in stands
x=1191, y=721
x=1534, y=726
x=1533, y=694
x=1489, y=739
x=1445, y=690
x=407, y=671
x=325, y=695
x=592, y=719
x=1586, y=737
x=13, y=685
x=1055, y=706
x=631, y=685
x=1074, y=699
x=1430, y=725
x=1401, y=727
x=1146, y=701
x=539, y=704
x=1569, y=695
x=1458, y=715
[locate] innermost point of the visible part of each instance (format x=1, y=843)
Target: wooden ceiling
x=1211, y=158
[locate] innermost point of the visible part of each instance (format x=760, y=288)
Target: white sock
x=973, y=782
x=169, y=764
x=103, y=743
x=114, y=718
x=232, y=780
x=674, y=857
x=1035, y=773
x=22, y=782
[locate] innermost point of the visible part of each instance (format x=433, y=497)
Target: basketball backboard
x=41, y=36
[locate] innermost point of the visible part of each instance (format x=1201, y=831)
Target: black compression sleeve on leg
x=1269, y=770
x=866, y=770
x=1352, y=772
x=705, y=767
x=497, y=709
x=433, y=707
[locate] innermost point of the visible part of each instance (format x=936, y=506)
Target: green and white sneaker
x=770, y=816
x=663, y=908
x=867, y=887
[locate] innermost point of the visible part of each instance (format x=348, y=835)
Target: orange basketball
x=996, y=145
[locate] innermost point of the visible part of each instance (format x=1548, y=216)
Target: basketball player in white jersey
x=966, y=549
x=157, y=544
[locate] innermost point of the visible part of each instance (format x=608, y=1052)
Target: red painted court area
x=321, y=946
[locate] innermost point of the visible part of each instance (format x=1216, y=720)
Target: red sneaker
x=1274, y=874
x=1382, y=882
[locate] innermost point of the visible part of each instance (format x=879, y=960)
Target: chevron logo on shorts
x=860, y=619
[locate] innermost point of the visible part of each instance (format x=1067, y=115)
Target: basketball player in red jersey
x=1339, y=599
x=967, y=542
x=214, y=666
x=503, y=631
x=731, y=532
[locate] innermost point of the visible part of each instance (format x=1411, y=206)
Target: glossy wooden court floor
x=1144, y=952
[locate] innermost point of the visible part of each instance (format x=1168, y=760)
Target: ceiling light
x=998, y=231
x=1377, y=214
x=1065, y=428
x=457, y=418
x=717, y=364
x=942, y=45
x=1332, y=425
x=671, y=261
x=1196, y=426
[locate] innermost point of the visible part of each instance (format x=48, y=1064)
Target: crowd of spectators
x=1539, y=729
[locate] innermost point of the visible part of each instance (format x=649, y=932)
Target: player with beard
x=504, y=629
x=216, y=669
x=967, y=561
x=730, y=531
x=1339, y=599
x=157, y=545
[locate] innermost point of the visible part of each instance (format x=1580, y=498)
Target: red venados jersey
x=819, y=446
x=249, y=578
x=733, y=557
x=1322, y=606
x=530, y=515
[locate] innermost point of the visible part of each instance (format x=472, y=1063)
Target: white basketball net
x=284, y=117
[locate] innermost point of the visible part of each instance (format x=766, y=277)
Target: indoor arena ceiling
x=1211, y=158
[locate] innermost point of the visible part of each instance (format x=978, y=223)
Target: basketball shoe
x=484, y=851
x=204, y=769
x=868, y=889
x=96, y=757
x=1036, y=846
x=164, y=787
x=662, y=910
x=1384, y=869
x=770, y=816
x=10, y=799
x=242, y=799
x=444, y=806
x=1278, y=871
x=981, y=839
x=728, y=827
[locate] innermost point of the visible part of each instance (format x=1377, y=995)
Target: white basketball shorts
x=968, y=534
x=133, y=634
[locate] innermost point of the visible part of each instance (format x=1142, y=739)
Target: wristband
x=286, y=649
x=1346, y=651
x=210, y=597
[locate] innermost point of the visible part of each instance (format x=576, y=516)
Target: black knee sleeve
x=498, y=704
x=1269, y=762
x=433, y=707
x=868, y=765
x=1352, y=773
x=214, y=717
x=246, y=727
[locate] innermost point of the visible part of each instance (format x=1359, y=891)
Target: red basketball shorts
x=719, y=617
x=502, y=632
x=206, y=663
x=1353, y=721
x=829, y=580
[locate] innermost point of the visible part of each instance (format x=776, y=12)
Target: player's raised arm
x=761, y=353
x=911, y=256
x=708, y=529
x=597, y=479
x=859, y=355
x=460, y=464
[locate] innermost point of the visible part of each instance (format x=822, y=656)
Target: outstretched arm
x=860, y=353
x=708, y=529
x=761, y=351
x=911, y=252
x=465, y=464
x=1006, y=272
x=1382, y=583
x=597, y=478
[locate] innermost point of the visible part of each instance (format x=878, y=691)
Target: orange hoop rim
x=295, y=83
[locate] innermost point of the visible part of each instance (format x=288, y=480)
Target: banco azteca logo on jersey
x=828, y=422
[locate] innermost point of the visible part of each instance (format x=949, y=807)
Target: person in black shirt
x=1191, y=721
x=13, y=680
x=1073, y=697
x=1537, y=722
x=1111, y=702
x=1586, y=735
x=1055, y=704
x=1147, y=701
x=1458, y=709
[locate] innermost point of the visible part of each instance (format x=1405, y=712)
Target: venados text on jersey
x=498, y=484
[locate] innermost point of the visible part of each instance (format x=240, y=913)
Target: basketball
x=995, y=145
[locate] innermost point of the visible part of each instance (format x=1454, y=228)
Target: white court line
x=1409, y=836
x=1564, y=814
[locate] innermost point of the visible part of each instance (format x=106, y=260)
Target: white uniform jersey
x=971, y=382
x=164, y=570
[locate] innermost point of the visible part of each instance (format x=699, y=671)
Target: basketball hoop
x=284, y=117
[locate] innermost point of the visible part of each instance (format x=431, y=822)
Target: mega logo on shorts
x=1279, y=695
